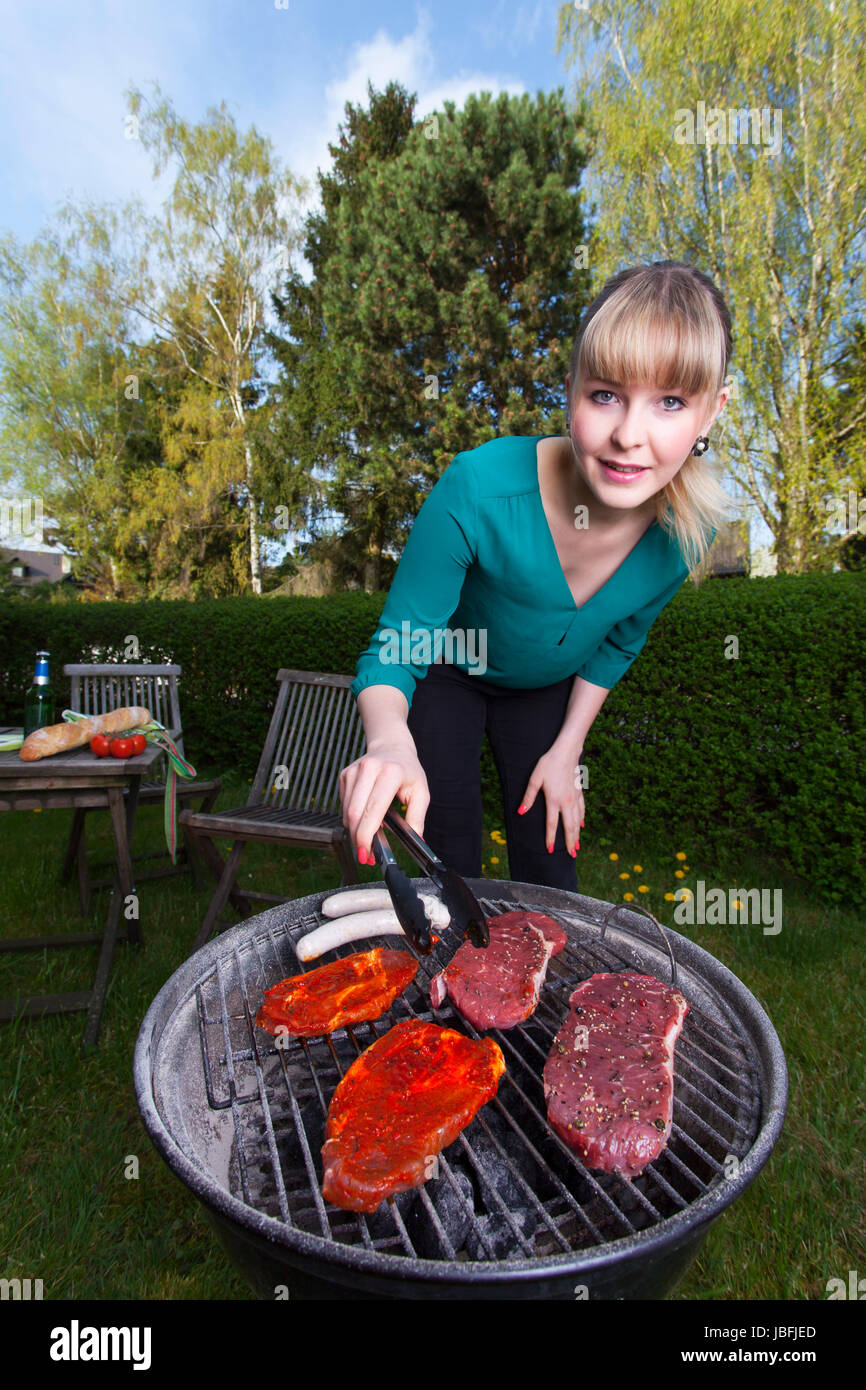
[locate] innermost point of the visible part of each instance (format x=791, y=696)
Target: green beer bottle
x=39, y=704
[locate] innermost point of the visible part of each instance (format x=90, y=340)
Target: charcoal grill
x=512, y=1213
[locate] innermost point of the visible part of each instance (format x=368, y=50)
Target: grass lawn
x=73, y=1218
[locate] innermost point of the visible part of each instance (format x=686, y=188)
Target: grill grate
x=507, y=1187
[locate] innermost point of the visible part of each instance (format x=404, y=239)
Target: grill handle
x=617, y=907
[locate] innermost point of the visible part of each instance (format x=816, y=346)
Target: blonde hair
x=665, y=324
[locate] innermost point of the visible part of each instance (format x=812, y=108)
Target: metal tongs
x=467, y=915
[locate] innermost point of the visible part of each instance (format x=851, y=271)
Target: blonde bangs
x=655, y=335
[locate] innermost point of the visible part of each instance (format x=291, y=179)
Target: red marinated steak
x=608, y=1080
x=354, y=989
x=497, y=986
x=400, y=1103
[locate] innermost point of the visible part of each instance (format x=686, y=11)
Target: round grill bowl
x=241, y=1123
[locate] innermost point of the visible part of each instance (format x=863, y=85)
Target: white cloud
x=410, y=61
x=381, y=60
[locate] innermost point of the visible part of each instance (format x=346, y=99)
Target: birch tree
x=70, y=409
x=735, y=138
x=225, y=236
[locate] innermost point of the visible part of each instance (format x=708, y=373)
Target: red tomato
x=100, y=745
x=121, y=747
x=139, y=743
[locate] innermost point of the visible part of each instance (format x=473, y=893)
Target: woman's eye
x=601, y=391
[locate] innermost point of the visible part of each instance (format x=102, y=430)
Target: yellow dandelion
x=679, y=855
x=678, y=873
x=493, y=859
x=642, y=888
x=686, y=868
x=670, y=897
x=613, y=856
x=628, y=897
x=497, y=837
x=625, y=875
x=36, y=810
x=638, y=868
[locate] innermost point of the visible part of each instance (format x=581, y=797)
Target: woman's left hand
x=558, y=777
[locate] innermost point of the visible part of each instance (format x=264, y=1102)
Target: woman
x=536, y=567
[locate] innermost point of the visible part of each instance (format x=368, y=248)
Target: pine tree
x=448, y=284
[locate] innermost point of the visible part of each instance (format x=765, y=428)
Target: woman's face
x=648, y=429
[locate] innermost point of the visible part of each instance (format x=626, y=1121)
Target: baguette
x=60, y=738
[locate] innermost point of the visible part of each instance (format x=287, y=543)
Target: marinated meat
x=497, y=986
x=608, y=1080
x=400, y=1103
x=356, y=988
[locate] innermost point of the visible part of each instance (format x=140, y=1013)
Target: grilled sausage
x=378, y=921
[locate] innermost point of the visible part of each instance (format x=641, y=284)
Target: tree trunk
x=255, y=565
x=372, y=573
x=373, y=560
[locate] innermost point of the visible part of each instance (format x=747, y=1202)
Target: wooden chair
x=315, y=731
x=95, y=689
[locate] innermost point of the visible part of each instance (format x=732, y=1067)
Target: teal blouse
x=480, y=569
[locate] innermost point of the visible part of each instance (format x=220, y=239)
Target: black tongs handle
x=467, y=915
x=407, y=904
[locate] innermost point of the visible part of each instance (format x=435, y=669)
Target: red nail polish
x=573, y=853
x=576, y=845
x=362, y=856
x=550, y=849
x=521, y=810
x=582, y=824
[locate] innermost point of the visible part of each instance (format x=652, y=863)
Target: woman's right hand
x=369, y=785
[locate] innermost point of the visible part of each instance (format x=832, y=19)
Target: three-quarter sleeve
x=426, y=588
x=625, y=641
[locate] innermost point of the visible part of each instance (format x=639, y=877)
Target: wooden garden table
x=79, y=779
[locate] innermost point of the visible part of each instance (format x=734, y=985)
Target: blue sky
x=64, y=69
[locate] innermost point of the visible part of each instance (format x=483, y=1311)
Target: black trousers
x=449, y=714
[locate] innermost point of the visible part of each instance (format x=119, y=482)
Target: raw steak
x=497, y=986
x=400, y=1103
x=608, y=1080
x=357, y=987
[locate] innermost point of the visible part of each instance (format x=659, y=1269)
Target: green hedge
x=761, y=752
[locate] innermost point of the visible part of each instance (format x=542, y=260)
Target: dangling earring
x=701, y=445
